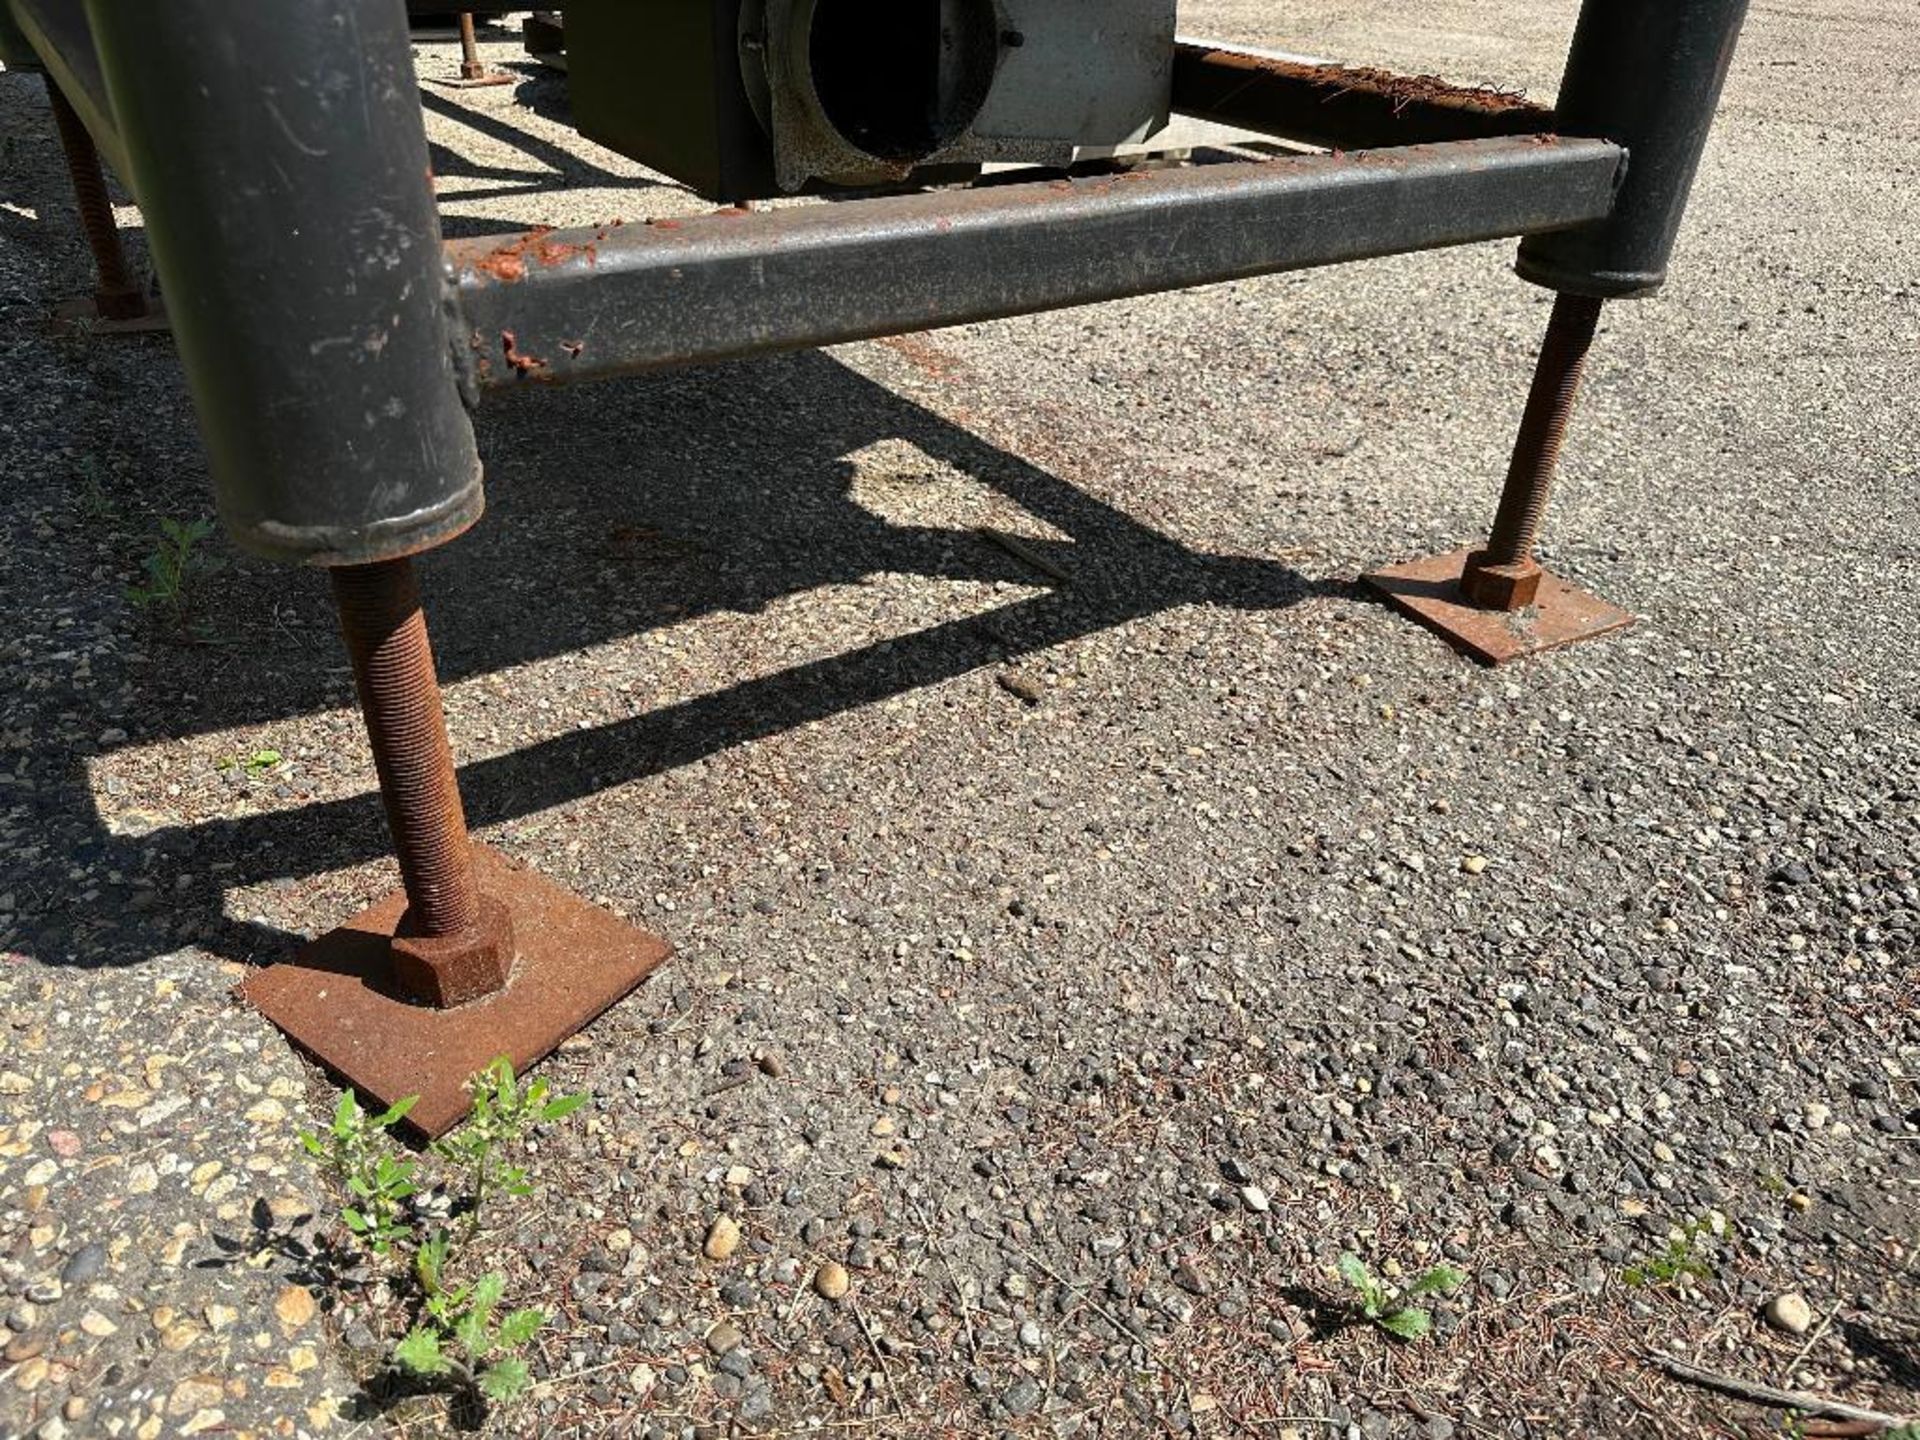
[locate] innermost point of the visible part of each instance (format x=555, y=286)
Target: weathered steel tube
x=16, y=52
x=575, y=305
x=60, y=42
x=1647, y=75
x=279, y=156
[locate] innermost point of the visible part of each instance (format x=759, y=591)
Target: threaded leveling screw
x=1536, y=455
x=386, y=636
x=118, y=296
x=470, y=66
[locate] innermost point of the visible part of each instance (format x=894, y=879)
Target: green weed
x=1391, y=1307
x=174, y=569
x=380, y=1180
x=1685, y=1258
x=94, y=500
x=259, y=763
x=456, y=1334
x=504, y=1114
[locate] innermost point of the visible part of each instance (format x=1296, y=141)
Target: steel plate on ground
x=575, y=960
x=1429, y=591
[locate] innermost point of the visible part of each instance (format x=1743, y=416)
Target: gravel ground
x=1081, y=964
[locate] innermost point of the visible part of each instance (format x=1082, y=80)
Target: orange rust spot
x=522, y=364
x=925, y=356
x=552, y=252
x=507, y=263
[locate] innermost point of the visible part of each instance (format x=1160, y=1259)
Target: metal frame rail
x=334, y=346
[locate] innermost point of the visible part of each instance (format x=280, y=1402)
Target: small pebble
x=1024, y=688
x=84, y=1264
x=1790, y=1313
x=831, y=1280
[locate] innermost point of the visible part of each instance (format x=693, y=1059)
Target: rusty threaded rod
x=386, y=635
x=117, y=297
x=1543, y=429
x=470, y=66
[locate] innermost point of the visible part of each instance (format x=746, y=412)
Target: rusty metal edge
x=1342, y=107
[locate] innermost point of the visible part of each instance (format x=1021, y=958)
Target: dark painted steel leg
x=1647, y=75
x=281, y=161
x=1504, y=576
x=283, y=172
x=118, y=296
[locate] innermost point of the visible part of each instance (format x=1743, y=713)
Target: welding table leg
x=1646, y=74
x=284, y=177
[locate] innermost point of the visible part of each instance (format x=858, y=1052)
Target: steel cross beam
x=583, y=304
x=334, y=348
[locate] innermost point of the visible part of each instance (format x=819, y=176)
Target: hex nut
x=1500, y=587
x=448, y=970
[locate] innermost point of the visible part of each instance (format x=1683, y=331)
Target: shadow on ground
x=736, y=492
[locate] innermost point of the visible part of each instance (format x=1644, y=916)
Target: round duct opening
x=901, y=79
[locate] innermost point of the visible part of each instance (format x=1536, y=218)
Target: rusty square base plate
x=574, y=961
x=495, y=77
x=1429, y=591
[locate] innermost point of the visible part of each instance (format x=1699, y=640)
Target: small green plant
x=380, y=1181
x=504, y=1114
x=457, y=1336
x=453, y=1337
x=1391, y=1307
x=95, y=501
x=256, y=764
x=1685, y=1258
x=174, y=568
